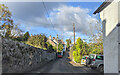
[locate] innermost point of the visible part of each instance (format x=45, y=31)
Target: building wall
x=51, y=42
x=119, y=49
x=111, y=52
x=119, y=37
x=110, y=14
x=109, y=17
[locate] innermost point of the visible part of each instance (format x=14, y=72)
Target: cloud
x=30, y=10
x=69, y=34
x=67, y=15
x=61, y=16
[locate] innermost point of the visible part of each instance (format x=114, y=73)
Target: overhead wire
x=48, y=16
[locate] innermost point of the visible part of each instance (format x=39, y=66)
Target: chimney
x=53, y=38
x=50, y=37
x=62, y=41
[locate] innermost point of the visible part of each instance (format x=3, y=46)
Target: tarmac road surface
x=62, y=65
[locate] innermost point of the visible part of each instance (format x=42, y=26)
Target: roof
x=103, y=6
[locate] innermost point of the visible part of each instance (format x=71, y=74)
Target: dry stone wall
x=0, y=55
x=18, y=57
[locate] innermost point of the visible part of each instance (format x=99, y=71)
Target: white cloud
x=61, y=15
x=65, y=16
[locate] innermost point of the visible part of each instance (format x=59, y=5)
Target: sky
x=52, y=18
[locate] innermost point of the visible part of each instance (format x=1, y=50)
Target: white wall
x=109, y=16
x=119, y=37
x=118, y=49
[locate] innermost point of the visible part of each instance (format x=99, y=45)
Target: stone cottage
x=53, y=41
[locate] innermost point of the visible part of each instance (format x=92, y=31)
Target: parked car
x=83, y=60
x=60, y=54
x=96, y=61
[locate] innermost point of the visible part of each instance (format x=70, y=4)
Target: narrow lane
x=62, y=65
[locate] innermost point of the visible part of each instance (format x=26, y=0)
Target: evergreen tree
x=68, y=43
x=60, y=47
x=38, y=40
x=80, y=50
x=26, y=36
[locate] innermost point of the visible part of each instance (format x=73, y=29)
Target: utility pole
x=57, y=42
x=74, y=32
